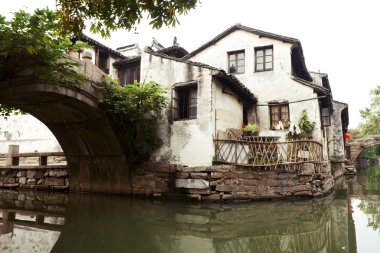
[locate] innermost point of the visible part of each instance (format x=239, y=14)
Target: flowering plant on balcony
x=251, y=128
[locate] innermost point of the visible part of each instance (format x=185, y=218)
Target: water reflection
x=101, y=223
x=30, y=222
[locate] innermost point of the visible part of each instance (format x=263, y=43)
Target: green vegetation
x=107, y=16
x=370, y=124
x=31, y=43
x=371, y=115
x=371, y=152
x=133, y=111
x=251, y=128
x=305, y=125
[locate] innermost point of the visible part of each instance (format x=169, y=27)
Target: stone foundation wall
x=337, y=168
x=229, y=183
x=39, y=179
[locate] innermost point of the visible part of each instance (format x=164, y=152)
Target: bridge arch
x=95, y=157
x=357, y=147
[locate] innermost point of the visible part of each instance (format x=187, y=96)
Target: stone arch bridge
x=355, y=148
x=95, y=157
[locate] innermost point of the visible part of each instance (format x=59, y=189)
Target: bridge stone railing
x=42, y=171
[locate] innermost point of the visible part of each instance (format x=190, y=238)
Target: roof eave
x=243, y=28
x=236, y=86
x=97, y=43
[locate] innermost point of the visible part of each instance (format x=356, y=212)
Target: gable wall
x=267, y=85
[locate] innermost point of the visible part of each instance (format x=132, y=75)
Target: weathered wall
x=225, y=183
x=335, y=133
x=266, y=85
x=335, y=142
x=27, y=132
x=189, y=142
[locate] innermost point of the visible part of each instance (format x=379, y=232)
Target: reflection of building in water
x=30, y=222
x=305, y=226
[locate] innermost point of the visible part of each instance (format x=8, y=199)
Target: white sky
x=339, y=37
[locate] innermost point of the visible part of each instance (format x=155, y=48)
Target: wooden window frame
x=184, y=101
x=280, y=107
x=235, y=53
x=122, y=74
x=257, y=49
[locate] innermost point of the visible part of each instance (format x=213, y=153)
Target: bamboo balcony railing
x=268, y=153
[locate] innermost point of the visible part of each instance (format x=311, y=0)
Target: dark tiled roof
x=244, y=28
x=236, y=85
x=298, y=60
x=231, y=80
x=175, y=51
x=319, y=89
x=127, y=46
x=126, y=61
x=198, y=64
x=93, y=42
x=325, y=79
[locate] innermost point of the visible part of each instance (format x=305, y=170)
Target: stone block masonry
x=230, y=183
x=38, y=179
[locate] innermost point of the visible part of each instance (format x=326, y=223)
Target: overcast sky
x=340, y=38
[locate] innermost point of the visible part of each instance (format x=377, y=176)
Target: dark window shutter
x=174, y=105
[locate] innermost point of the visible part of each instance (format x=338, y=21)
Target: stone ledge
x=192, y=183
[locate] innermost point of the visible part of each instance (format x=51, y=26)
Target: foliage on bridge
x=32, y=43
x=133, y=110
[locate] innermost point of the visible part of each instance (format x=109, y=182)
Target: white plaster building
x=273, y=68
x=241, y=76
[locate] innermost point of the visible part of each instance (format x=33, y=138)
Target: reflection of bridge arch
x=355, y=148
x=95, y=157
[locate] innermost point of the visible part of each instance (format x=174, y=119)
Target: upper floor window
x=264, y=58
x=184, y=101
x=102, y=60
x=129, y=74
x=236, y=62
x=279, y=112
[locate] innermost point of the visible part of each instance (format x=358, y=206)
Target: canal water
x=346, y=221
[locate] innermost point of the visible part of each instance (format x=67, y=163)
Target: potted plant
x=305, y=125
x=251, y=130
x=306, y=128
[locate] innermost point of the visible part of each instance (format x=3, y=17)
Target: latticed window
x=279, y=112
x=264, y=58
x=184, y=101
x=236, y=62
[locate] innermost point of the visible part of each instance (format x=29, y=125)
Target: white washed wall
x=190, y=142
x=186, y=142
x=267, y=85
x=27, y=132
x=229, y=109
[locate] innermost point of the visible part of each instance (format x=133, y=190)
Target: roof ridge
x=244, y=28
